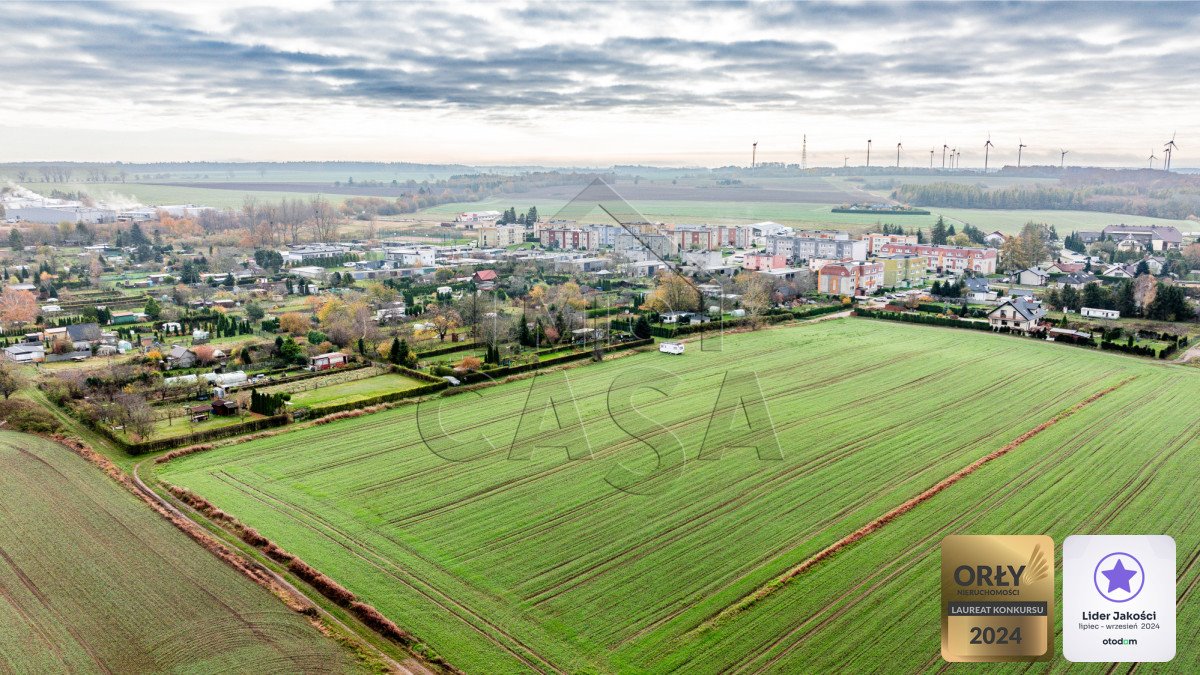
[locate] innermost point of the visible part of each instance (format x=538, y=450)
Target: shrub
x=21, y=415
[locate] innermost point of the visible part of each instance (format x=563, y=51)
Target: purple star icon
x=1118, y=577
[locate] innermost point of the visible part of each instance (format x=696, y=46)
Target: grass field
x=319, y=391
x=93, y=581
x=513, y=558
x=818, y=215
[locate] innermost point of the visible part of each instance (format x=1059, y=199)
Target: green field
x=319, y=391
x=91, y=580
x=505, y=555
x=818, y=215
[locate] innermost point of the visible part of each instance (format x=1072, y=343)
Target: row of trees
x=1141, y=297
x=1176, y=203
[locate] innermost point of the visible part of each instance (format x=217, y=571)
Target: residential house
x=1034, y=276
x=482, y=277
x=180, y=357
x=329, y=360
x=903, y=270
x=1118, y=271
x=850, y=278
x=1065, y=268
x=952, y=259
x=501, y=236
x=800, y=248
x=645, y=244
x=709, y=237
x=876, y=241
x=995, y=238
x=1077, y=281
x=569, y=238
x=1018, y=314
x=83, y=335
x=1157, y=238
x=979, y=290
x=763, y=261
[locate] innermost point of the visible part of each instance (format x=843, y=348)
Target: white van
x=670, y=347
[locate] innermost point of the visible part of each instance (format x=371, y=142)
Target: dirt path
x=1190, y=355
x=409, y=666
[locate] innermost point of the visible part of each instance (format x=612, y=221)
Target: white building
x=1093, y=313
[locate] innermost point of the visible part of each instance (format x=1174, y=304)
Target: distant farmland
x=93, y=581
x=506, y=556
x=816, y=215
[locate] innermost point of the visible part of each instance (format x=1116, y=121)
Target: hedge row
x=1136, y=350
x=191, y=439
x=424, y=390
x=496, y=373
x=456, y=347
x=416, y=374
x=921, y=318
x=775, y=317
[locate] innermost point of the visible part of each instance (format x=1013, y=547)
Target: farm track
x=382, y=564
x=993, y=498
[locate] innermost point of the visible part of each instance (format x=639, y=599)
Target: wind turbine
x=753, y=154
x=1020, y=147
x=987, y=147
x=898, y=146
x=944, y=148
x=1062, y=158
x=1168, y=150
x=931, y=159
x=868, y=152
x=845, y=161
x=1152, y=158
x=953, y=158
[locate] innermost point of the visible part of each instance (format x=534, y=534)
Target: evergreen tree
x=15, y=242
x=641, y=329
x=1125, y=301
x=394, y=354
x=153, y=309
x=362, y=347
x=137, y=237
x=524, y=338
x=938, y=234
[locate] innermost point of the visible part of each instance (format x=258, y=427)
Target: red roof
x=485, y=275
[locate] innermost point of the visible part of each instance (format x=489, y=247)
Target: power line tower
x=804, y=153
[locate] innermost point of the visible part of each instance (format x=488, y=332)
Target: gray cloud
x=546, y=57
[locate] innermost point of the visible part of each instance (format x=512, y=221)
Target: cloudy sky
x=597, y=83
